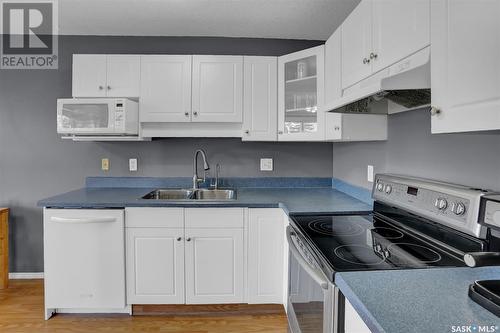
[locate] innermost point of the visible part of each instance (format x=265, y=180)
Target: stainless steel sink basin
x=203, y=194
x=199, y=194
x=169, y=194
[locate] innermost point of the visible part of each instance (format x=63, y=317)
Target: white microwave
x=97, y=116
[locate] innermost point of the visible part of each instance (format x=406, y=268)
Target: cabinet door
x=155, y=266
x=165, y=88
x=357, y=44
x=266, y=238
x=301, y=89
x=353, y=322
x=260, y=107
x=123, y=75
x=214, y=266
x=218, y=89
x=89, y=75
x=333, y=126
x=400, y=28
x=465, y=67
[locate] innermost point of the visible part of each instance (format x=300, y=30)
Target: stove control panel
x=452, y=205
x=491, y=212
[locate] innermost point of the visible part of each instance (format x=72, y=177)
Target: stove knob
x=441, y=203
x=380, y=187
x=378, y=248
x=387, y=254
x=458, y=208
x=388, y=189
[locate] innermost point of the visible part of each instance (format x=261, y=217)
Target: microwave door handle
x=82, y=220
x=313, y=272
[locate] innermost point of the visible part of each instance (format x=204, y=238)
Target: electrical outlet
x=132, y=164
x=105, y=164
x=369, y=172
x=266, y=164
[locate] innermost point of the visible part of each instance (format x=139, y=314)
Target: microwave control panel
x=120, y=115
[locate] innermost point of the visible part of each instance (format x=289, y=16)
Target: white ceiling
x=300, y=19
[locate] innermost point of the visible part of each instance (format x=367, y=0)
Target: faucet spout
x=196, y=178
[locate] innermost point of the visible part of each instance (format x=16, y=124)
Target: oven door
x=89, y=116
x=313, y=301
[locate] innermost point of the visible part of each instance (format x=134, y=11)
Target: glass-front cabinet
x=300, y=95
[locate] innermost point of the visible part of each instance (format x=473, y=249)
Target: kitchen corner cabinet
x=165, y=94
x=378, y=34
x=260, y=99
x=465, y=69
x=217, y=89
x=266, y=254
x=106, y=75
x=300, y=95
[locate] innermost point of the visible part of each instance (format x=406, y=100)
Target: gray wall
x=468, y=158
x=35, y=163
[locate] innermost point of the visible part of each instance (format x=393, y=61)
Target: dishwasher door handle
x=315, y=273
x=83, y=219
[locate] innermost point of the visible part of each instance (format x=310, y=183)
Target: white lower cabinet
x=266, y=256
x=214, y=266
x=353, y=322
x=155, y=266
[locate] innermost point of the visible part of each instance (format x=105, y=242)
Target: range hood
x=401, y=87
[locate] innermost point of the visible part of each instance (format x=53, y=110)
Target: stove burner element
x=358, y=254
x=407, y=252
x=388, y=233
x=327, y=227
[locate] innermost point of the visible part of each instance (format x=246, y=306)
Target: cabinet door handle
x=373, y=55
x=179, y=239
x=366, y=61
x=337, y=128
x=188, y=239
x=186, y=114
x=247, y=132
x=195, y=114
x=101, y=87
x=109, y=87
x=435, y=111
x=280, y=132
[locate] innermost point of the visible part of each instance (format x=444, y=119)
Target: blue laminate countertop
x=293, y=200
x=419, y=300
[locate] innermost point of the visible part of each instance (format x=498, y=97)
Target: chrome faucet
x=206, y=167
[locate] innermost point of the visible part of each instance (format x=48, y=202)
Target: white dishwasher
x=84, y=254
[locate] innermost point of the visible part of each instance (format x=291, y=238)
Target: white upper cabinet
x=165, y=88
x=357, y=44
x=300, y=95
x=217, y=89
x=400, y=28
x=379, y=33
x=89, y=75
x=465, y=65
x=260, y=105
x=106, y=76
x=123, y=75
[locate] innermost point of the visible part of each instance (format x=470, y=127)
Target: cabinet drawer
x=154, y=217
x=215, y=217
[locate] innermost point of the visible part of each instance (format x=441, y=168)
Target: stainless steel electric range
x=416, y=223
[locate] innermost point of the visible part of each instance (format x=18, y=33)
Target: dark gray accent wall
x=35, y=163
x=464, y=158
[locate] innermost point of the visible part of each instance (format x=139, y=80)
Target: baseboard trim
x=25, y=276
x=206, y=309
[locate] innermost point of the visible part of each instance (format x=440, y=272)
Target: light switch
x=370, y=173
x=266, y=164
x=105, y=164
x=132, y=164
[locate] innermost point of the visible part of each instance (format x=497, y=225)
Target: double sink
x=191, y=194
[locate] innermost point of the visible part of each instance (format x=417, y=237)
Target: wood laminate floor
x=21, y=310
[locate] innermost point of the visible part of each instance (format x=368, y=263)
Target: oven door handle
x=315, y=273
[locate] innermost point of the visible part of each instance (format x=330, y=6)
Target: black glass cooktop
x=352, y=243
